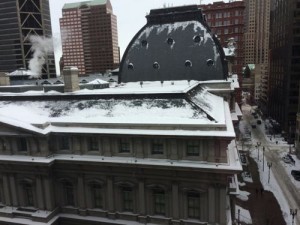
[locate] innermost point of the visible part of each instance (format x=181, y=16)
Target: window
x=193, y=204
x=159, y=202
x=93, y=144
x=192, y=148
x=28, y=194
x=63, y=143
x=127, y=197
x=68, y=191
x=124, y=146
x=97, y=198
x=157, y=147
x=22, y=145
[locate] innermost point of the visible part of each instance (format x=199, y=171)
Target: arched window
x=159, y=201
x=127, y=198
x=193, y=204
x=28, y=194
x=144, y=43
x=170, y=41
x=68, y=193
x=97, y=195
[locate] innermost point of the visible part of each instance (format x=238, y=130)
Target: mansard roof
x=175, y=44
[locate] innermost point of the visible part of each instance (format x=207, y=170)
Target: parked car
x=291, y=158
x=288, y=159
x=296, y=174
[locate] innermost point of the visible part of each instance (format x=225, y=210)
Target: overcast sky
x=130, y=16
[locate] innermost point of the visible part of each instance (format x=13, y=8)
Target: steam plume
x=41, y=47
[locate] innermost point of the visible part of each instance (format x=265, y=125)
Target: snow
x=244, y=215
x=243, y=195
x=127, y=116
x=98, y=81
x=210, y=103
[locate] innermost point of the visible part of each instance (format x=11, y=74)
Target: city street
x=273, y=154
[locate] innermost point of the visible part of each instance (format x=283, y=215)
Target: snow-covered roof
x=128, y=109
x=21, y=72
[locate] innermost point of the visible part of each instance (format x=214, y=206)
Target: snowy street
x=275, y=148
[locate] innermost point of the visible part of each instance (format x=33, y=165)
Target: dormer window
x=130, y=66
x=170, y=41
x=156, y=65
x=144, y=43
x=210, y=62
x=188, y=63
x=197, y=38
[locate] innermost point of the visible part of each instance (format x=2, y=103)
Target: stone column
x=173, y=145
x=222, y=205
x=13, y=190
x=110, y=194
x=39, y=193
x=81, y=195
x=48, y=194
x=106, y=147
x=211, y=205
x=7, y=198
x=142, y=208
x=175, y=201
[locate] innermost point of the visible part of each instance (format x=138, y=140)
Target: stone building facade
x=159, y=152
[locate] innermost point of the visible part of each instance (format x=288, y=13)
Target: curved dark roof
x=175, y=44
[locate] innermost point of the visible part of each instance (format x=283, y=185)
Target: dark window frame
x=97, y=195
x=193, y=205
x=193, y=148
x=159, y=202
x=68, y=193
x=124, y=146
x=22, y=144
x=157, y=147
x=127, y=199
x=93, y=144
x=28, y=194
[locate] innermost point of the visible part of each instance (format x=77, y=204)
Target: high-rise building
x=284, y=63
x=90, y=38
x=226, y=20
x=257, y=24
x=19, y=19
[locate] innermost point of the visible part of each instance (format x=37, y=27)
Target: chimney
x=4, y=79
x=70, y=74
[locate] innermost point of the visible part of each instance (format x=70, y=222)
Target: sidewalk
x=262, y=205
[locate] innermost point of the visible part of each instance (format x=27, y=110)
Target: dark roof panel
x=161, y=49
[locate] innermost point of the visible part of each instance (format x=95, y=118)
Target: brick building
x=89, y=31
x=227, y=21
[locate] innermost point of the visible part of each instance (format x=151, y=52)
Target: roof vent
x=210, y=62
x=188, y=63
x=130, y=66
x=170, y=41
x=156, y=65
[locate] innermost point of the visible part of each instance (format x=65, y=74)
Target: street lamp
x=269, y=164
x=293, y=213
x=264, y=158
x=257, y=145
